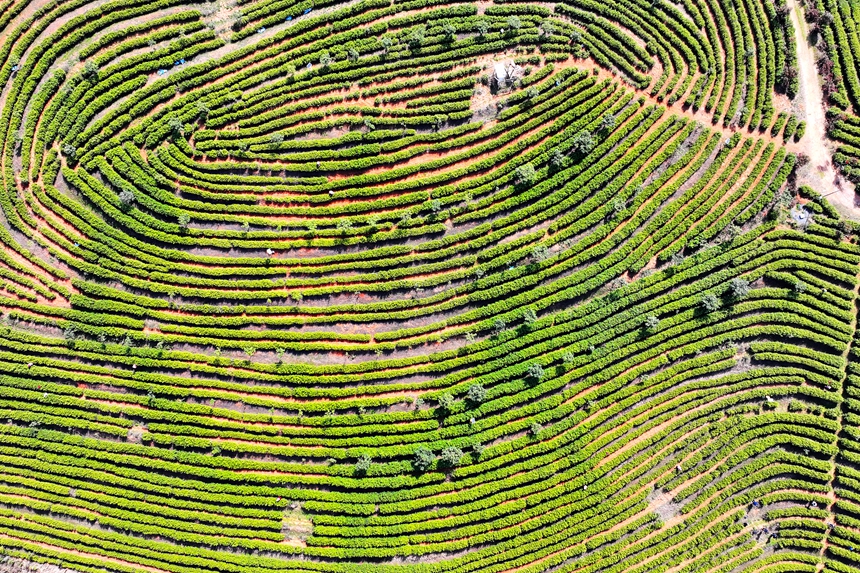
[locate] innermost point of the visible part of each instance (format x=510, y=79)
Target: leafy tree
x=483, y=28
x=547, y=28
x=799, y=287
x=70, y=152
x=514, y=23
x=451, y=456
x=325, y=59
x=529, y=317
x=416, y=36
x=184, y=220
x=499, y=326
x=476, y=394
x=446, y=401
x=582, y=142
x=540, y=253
x=710, y=302
x=450, y=31
x=352, y=55
x=363, y=464
x=535, y=372
x=651, y=323
x=91, y=71
x=556, y=159
x=175, y=126
x=740, y=288
x=607, y=123
x=126, y=199
x=535, y=429
x=423, y=459
x=524, y=175
x=568, y=358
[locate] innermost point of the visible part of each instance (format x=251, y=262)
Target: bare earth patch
x=15, y=565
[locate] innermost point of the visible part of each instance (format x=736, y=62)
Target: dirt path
x=820, y=173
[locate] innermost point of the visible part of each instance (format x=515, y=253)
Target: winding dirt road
x=820, y=173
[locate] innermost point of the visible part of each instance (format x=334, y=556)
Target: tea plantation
x=429, y=286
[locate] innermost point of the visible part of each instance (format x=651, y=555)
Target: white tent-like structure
x=500, y=74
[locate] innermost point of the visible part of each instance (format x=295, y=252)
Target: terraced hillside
x=421, y=286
